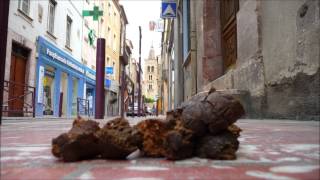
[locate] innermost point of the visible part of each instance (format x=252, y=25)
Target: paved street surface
x=274, y=149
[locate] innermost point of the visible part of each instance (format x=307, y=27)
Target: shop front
x=90, y=89
x=60, y=81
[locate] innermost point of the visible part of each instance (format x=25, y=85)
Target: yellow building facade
x=112, y=30
x=111, y=18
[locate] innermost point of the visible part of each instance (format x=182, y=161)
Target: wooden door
x=228, y=10
x=17, y=75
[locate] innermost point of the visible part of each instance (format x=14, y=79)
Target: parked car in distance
x=132, y=111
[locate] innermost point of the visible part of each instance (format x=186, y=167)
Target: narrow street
x=219, y=89
x=269, y=149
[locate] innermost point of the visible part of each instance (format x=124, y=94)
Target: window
x=109, y=7
x=148, y=68
x=108, y=61
x=109, y=37
x=114, y=43
x=150, y=86
x=152, y=69
x=51, y=13
x=24, y=6
x=68, y=33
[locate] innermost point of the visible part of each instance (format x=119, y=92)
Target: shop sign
x=107, y=83
x=90, y=75
x=40, y=84
x=63, y=60
x=49, y=73
x=109, y=70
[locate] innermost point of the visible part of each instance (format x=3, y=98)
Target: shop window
x=51, y=15
x=24, y=6
x=68, y=32
x=48, y=88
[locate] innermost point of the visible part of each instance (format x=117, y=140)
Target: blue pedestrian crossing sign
x=169, y=10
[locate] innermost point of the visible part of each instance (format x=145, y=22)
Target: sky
x=139, y=13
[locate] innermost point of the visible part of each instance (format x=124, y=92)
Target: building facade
x=150, y=82
x=112, y=33
x=43, y=51
x=91, y=31
x=264, y=52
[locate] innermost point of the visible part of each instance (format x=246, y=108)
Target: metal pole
x=4, y=11
x=123, y=86
x=100, y=65
x=139, y=74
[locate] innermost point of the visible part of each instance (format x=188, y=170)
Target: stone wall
x=277, y=60
x=291, y=45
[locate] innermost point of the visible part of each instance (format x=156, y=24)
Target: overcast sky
x=139, y=13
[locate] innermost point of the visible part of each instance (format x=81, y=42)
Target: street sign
x=169, y=9
x=95, y=13
x=157, y=25
x=109, y=70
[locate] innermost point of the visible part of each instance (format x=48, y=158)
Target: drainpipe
x=178, y=67
x=4, y=11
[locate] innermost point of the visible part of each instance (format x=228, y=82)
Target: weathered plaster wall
x=211, y=59
x=200, y=43
x=249, y=72
x=291, y=47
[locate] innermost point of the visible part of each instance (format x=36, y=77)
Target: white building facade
x=44, y=50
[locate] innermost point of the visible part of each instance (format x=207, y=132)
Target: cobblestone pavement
x=274, y=149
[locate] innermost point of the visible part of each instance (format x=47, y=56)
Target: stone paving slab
x=269, y=149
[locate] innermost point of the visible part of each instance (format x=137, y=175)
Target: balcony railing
x=18, y=99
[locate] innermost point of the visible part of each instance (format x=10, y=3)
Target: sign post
x=100, y=64
x=168, y=9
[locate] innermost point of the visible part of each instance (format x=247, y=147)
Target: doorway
x=228, y=12
x=75, y=84
x=19, y=57
x=64, y=92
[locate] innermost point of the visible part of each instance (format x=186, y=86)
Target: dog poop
x=202, y=126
